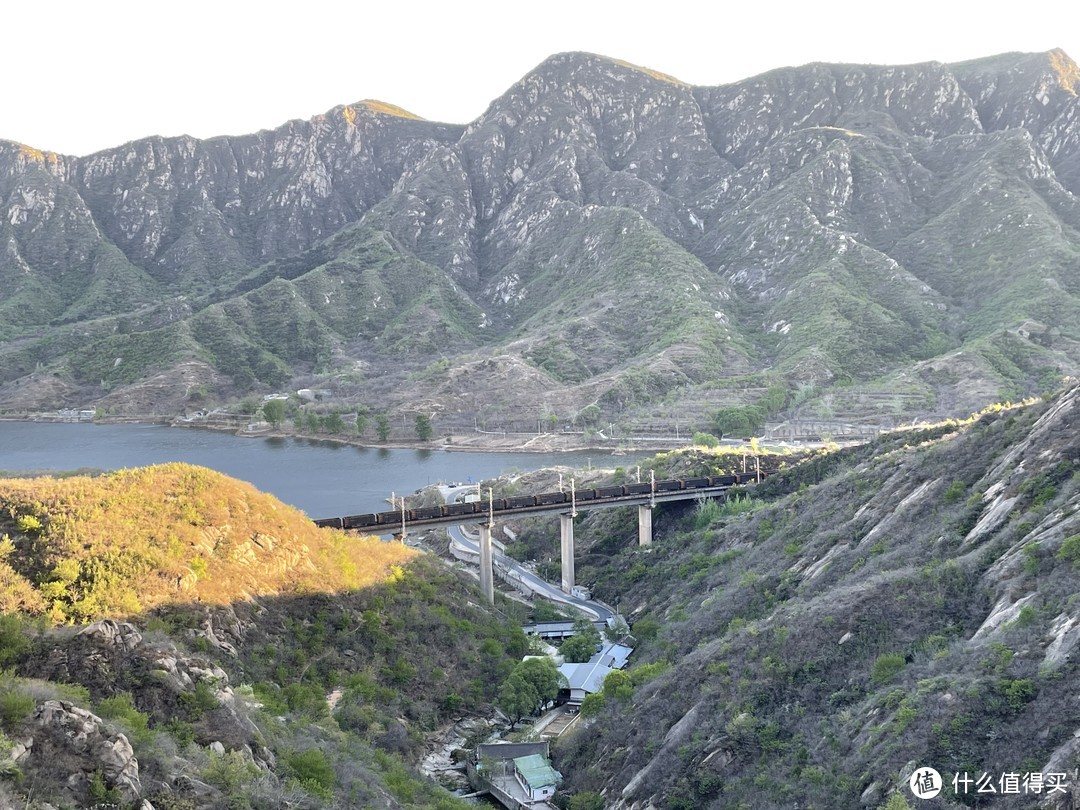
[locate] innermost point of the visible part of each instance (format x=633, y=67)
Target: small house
x=536, y=777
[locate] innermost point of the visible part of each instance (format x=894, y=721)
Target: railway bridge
x=644, y=495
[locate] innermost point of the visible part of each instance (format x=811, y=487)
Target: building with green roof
x=536, y=776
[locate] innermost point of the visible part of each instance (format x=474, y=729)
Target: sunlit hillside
x=81, y=548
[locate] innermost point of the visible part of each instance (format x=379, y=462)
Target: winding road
x=539, y=586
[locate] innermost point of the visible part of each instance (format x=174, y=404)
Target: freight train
x=582, y=496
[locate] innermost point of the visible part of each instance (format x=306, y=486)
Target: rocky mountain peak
x=853, y=219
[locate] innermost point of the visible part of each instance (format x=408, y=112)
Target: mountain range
x=876, y=243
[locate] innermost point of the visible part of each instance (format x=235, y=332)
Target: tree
x=739, y=420
x=617, y=684
x=589, y=414
x=593, y=704
x=274, y=411
x=382, y=426
x=544, y=677
x=580, y=647
x=361, y=420
x=424, y=430
x=532, y=684
x=618, y=629
x=705, y=440
x=333, y=423
x=517, y=697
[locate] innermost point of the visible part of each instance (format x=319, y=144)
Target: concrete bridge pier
x=644, y=524
x=566, y=535
x=487, y=573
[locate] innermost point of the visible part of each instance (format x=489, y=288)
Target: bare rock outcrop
x=73, y=739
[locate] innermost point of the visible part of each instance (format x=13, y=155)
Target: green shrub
x=646, y=629
x=1017, y=693
x=646, y=672
x=1031, y=558
x=954, y=493
x=14, y=707
x=229, y=772
x=1070, y=550
x=122, y=707
x=592, y=705
x=618, y=684
x=182, y=732
x=102, y=793
x=29, y=524
x=705, y=440
x=589, y=800
x=14, y=643
x=313, y=771
x=886, y=667
x=199, y=701
x=1025, y=618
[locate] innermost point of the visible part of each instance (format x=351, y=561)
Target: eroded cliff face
x=909, y=603
x=914, y=226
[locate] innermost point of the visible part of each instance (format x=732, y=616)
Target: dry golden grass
x=1068, y=74
x=82, y=548
x=389, y=109
x=656, y=74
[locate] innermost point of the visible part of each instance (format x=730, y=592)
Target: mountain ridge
x=831, y=224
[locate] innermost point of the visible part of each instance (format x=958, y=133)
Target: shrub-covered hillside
x=253, y=661
x=81, y=548
x=912, y=602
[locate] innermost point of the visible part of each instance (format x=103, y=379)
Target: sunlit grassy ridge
x=389, y=109
x=81, y=548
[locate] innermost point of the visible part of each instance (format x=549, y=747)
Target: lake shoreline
x=544, y=443
x=320, y=475
x=541, y=443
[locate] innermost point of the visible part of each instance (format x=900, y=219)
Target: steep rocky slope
x=905, y=604
x=878, y=241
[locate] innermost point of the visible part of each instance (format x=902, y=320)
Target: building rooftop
x=590, y=676
x=537, y=772
x=505, y=750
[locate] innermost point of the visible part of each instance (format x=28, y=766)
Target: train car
x=358, y=521
x=388, y=518
x=724, y=480
x=585, y=495
x=519, y=501
x=695, y=483
x=425, y=513
x=644, y=488
x=747, y=478
x=609, y=492
x=329, y=523
x=669, y=485
x=548, y=498
x=456, y=509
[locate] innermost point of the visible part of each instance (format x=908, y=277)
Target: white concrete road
x=541, y=587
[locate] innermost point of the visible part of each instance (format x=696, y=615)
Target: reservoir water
x=322, y=478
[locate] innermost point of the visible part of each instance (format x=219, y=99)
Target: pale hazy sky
x=82, y=75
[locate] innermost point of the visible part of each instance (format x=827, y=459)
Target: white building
x=536, y=777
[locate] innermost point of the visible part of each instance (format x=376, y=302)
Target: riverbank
x=543, y=443
x=479, y=442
